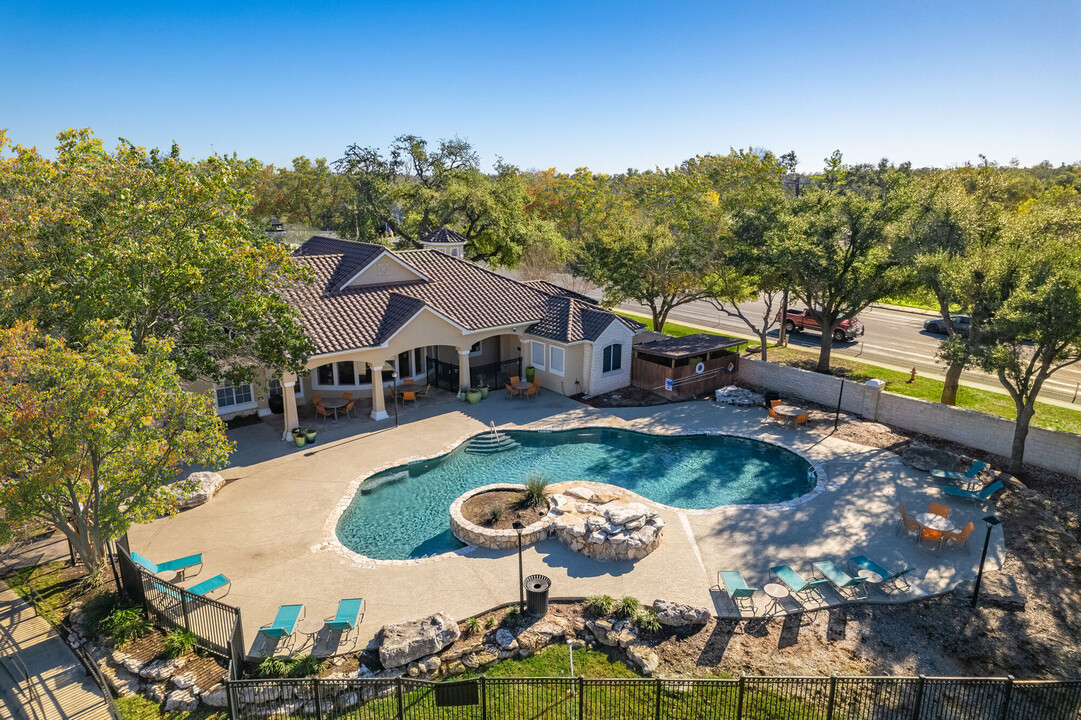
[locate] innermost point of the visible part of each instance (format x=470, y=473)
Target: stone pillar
x=463, y=369
x=870, y=399
x=289, y=405
x=379, y=409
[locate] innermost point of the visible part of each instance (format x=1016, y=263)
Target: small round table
x=521, y=386
x=334, y=404
x=935, y=521
x=788, y=413
x=872, y=577
x=776, y=594
x=310, y=627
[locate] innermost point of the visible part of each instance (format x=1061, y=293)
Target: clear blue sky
x=604, y=85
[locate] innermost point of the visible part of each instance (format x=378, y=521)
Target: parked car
x=961, y=325
x=807, y=319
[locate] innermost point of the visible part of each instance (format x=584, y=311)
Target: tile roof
x=444, y=235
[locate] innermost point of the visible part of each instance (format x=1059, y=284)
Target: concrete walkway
x=266, y=527
x=59, y=687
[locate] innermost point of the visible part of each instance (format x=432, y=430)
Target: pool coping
x=332, y=544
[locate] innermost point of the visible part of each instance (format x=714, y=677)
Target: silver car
x=961, y=325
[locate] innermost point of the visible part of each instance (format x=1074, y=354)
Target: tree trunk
x=765, y=344
x=953, y=380
x=826, y=347
x=1020, y=434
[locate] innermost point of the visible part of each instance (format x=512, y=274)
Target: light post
x=394, y=375
x=518, y=527
x=991, y=521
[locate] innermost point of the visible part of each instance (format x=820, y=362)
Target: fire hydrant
x=912, y=377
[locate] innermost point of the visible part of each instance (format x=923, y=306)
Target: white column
x=463, y=369
x=379, y=411
x=289, y=405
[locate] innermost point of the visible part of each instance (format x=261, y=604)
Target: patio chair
x=350, y=406
x=844, y=583
x=285, y=624
x=532, y=391
x=737, y=588
x=862, y=562
x=931, y=535
x=512, y=391
x=514, y=379
x=909, y=524
x=179, y=566
x=320, y=410
x=974, y=469
x=977, y=495
x=801, y=419
x=960, y=536
x=422, y=394
x=317, y=398
x=208, y=586
x=773, y=404
x=348, y=617
x=799, y=586
x=939, y=509
x=409, y=396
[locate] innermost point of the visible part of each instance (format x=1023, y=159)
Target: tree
x=162, y=245
x=308, y=190
x=93, y=436
x=841, y=258
x=1036, y=330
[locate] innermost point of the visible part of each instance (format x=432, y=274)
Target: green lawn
x=1052, y=417
x=54, y=585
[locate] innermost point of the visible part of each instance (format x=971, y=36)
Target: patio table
x=521, y=386
x=335, y=404
x=788, y=413
x=310, y=627
x=872, y=577
x=935, y=522
x=776, y=594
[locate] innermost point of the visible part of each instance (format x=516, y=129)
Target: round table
x=872, y=577
x=310, y=627
x=521, y=386
x=934, y=521
x=788, y=412
x=776, y=594
x=334, y=404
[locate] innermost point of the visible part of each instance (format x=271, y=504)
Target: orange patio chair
x=930, y=534
x=960, y=536
x=409, y=395
x=908, y=523
x=351, y=406
x=531, y=391
x=511, y=391
x=801, y=419
x=514, y=379
x=939, y=509
x=320, y=410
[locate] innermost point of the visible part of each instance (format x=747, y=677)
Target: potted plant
x=483, y=392
x=309, y=435
x=473, y=396
x=298, y=437
x=530, y=371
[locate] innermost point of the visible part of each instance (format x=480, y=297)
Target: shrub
x=180, y=642
x=273, y=667
x=472, y=626
x=536, y=491
x=628, y=607
x=96, y=610
x=495, y=514
x=512, y=614
x=647, y=620
x=137, y=707
x=601, y=604
x=125, y=624
x=304, y=666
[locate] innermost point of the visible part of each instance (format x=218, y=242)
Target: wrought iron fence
x=495, y=375
x=759, y=698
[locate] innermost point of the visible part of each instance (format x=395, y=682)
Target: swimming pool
x=402, y=513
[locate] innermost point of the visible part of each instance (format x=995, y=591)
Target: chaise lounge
x=973, y=470
x=799, y=586
x=179, y=566
x=348, y=617
x=862, y=562
x=285, y=624
x=845, y=584
x=976, y=495
x=737, y=588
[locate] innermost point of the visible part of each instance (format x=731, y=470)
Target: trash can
x=536, y=595
x=770, y=396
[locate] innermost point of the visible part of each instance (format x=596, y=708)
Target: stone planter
x=473, y=534
x=473, y=396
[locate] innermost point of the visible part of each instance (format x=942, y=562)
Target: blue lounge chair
x=973, y=470
x=285, y=623
x=862, y=562
x=796, y=583
x=844, y=583
x=348, y=616
x=210, y=585
x=977, y=495
x=179, y=566
x=737, y=588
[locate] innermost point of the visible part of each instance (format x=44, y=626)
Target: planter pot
x=484, y=392
x=310, y=436
x=276, y=404
x=299, y=440
x=473, y=397
x=461, y=395
x=530, y=371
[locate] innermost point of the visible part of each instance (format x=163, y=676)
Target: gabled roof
x=573, y=317
x=552, y=289
x=444, y=236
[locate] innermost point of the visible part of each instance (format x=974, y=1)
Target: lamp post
x=518, y=527
x=394, y=375
x=991, y=521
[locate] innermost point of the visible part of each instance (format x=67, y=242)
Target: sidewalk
x=63, y=688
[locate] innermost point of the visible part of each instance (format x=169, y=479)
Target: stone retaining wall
x=473, y=534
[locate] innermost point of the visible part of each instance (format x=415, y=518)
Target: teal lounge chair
x=210, y=585
x=844, y=583
x=977, y=495
x=179, y=566
x=973, y=470
x=737, y=588
x=348, y=616
x=796, y=583
x=285, y=623
x=862, y=562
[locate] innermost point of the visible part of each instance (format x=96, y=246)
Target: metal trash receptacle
x=536, y=595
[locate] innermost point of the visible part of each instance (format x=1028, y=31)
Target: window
x=476, y=348
x=233, y=395
x=613, y=358
x=275, y=387
x=346, y=374
x=537, y=356
x=555, y=360
x=325, y=374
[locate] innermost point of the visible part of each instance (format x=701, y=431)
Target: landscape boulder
x=181, y=701
x=408, y=641
x=215, y=696
x=922, y=456
x=643, y=657
x=675, y=614
x=207, y=486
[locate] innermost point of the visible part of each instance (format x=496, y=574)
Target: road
x=894, y=338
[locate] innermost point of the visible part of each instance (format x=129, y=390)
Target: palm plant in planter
x=298, y=437
x=474, y=396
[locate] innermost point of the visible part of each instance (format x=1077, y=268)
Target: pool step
x=491, y=444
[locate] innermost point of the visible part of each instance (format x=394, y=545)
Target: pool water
x=403, y=513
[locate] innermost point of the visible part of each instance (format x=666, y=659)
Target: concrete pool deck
x=264, y=528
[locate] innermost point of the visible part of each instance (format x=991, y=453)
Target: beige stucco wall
x=385, y=270
x=572, y=366
x=600, y=381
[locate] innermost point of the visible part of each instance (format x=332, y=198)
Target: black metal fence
x=759, y=698
x=494, y=375
x=216, y=624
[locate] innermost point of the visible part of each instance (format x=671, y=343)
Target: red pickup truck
x=807, y=319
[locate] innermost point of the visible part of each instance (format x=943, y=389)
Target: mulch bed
x=477, y=509
x=624, y=397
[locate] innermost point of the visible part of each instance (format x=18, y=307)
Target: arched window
x=613, y=358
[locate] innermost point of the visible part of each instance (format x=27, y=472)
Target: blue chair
x=799, y=586
x=844, y=583
x=973, y=470
x=737, y=588
x=348, y=617
x=210, y=585
x=179, y=566
x=862, y=562
x=976, y=495
x=285, y=624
